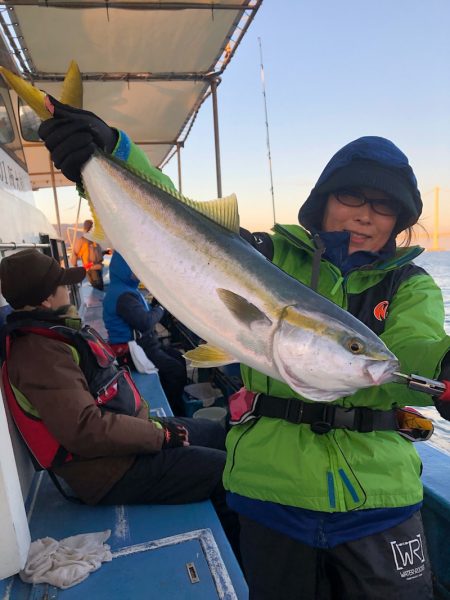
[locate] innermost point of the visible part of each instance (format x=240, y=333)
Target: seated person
x=127, y=316
x=82, y=417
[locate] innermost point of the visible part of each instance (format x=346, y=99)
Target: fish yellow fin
x=241, y=308
x=31, y=95
x=72, y=88
x=207, y=355
x=223, y=211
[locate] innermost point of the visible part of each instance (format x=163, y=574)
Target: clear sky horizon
x=334, y=71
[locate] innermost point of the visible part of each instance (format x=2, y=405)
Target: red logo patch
x=380, y=310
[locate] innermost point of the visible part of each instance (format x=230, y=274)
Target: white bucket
x=213, y=413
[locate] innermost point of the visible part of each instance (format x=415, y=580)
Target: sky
x=334, y=71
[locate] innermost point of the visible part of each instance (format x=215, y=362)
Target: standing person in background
x=127, y=316
x=91, y=255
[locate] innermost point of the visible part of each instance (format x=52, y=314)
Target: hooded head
x=120, y=271
x=368, y=162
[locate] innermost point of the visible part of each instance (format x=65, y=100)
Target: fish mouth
x=382, y=371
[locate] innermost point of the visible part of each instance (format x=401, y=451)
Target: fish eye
x=355, y=346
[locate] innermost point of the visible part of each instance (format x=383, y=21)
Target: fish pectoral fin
x=207, y=355
x=242, y=309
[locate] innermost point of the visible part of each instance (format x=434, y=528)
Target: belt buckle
x=298, y=404
x=344, y=418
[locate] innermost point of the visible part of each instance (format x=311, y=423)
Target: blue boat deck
x=436, y=514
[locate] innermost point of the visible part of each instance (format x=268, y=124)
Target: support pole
x=180, y=183
x=214, y=83
x=55, y=196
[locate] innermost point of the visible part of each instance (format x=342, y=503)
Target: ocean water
x=437, y=264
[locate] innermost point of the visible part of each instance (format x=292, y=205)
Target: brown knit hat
x=28, y=277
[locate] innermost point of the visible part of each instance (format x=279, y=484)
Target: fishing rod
x=269, y=155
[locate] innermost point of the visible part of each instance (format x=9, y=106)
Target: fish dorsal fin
x=223, y=211
x=241, y=308
x=72, y=88
x=207, y=355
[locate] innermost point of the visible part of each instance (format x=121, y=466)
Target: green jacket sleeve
x=127, y=151
x=415, y=333
x=415, y=327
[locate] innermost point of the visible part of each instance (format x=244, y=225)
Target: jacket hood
x=369, y=161
x=119, y=271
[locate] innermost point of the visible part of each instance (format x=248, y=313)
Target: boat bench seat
x=177, y=551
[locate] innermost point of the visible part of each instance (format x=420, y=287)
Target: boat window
x=9, y=133
x=6, y=128
x=29, y=122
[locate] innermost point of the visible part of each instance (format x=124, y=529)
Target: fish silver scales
x=246, y=308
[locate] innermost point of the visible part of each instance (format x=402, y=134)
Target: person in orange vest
x=91, y=255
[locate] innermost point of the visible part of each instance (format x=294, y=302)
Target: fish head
x=323, y=359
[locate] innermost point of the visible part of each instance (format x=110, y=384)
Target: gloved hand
x=175, y=436
x=72, y=137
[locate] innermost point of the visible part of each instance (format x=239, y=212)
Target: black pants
x=182, y=475
x=172, y=374
x=391, y=565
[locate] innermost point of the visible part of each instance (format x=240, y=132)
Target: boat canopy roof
x=147, y=66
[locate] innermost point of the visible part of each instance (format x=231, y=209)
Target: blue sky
x=334, y=71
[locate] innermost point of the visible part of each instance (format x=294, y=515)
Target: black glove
x=175, y=436
x=72, y=137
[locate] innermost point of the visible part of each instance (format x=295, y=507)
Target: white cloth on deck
x=67, y=562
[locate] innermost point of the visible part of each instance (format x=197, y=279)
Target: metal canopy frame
x=208, y=79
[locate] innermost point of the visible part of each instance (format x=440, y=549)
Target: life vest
x=112, y=388
x=90, y=253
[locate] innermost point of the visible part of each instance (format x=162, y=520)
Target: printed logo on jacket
x=381, y=310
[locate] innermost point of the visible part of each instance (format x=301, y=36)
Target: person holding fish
x=320, y=467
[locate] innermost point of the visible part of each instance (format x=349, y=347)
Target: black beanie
x=388, y=171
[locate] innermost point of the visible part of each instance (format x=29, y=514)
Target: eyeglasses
x=381, y=206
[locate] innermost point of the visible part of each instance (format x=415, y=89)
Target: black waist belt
x=325, y=417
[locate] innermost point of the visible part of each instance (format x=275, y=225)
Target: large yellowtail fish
x=191, y=257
